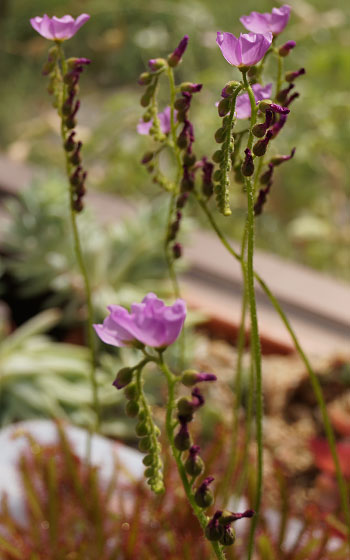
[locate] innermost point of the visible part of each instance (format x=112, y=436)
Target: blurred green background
x=307, y=215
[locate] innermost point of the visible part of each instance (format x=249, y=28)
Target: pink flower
x=247, y=50
x=58, y=29
x=263, y=23
x=164, y=119
x=150, y=322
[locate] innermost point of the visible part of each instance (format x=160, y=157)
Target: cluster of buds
x=69, y=109
x=186, y=138
x=224, y=136
x=265, y=130
x=266, y=180
x=147, y=432
x=219, y=527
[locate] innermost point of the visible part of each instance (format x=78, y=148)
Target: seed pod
x=224, y=106
x=124, y=377
x=144, y=79
x=142, y=429
x=148, y=460
x=220, y=135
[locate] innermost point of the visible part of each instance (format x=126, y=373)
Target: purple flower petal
x=58, y=28
x=274, y=22
x=150, y=322
x=164, y=120
x=247, y=50
x=243, y=109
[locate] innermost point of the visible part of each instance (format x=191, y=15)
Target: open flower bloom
x=247, y=50
x=164, y=119
x=274, y=22
x=58, y=29
x=150, y=322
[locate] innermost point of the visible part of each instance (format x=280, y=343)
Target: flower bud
x=213, y=532
x=285, y=49
x=266, y=177
x=224, y=106
x=259, y=130
x=69, y=143
x=229, y=88
x=228, y=537
x=252, y=71
x=124, y=377
x=156, y=64
x=175, y=57
x=291, y=76
x=189, y=159
x=190, y=87
x=185, y=408
x=267, y=105
x=194, y=465
x=147, y=157
x=144, y=79
x=277, y=160
x=248, y=164
x=147, y=96
x=190, y=377
x=182, y=440
x=132, y=408
x=259, y=148
x=177, y=250
x=203, y=496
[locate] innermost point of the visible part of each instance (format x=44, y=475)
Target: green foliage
x=124, y=260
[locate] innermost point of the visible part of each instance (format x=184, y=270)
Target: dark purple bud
x=190, y=377
x=207, y=173
x=259, y=148
x=75, y=178
x=268, y=105
x=285, y=49
x=73, y=62
x=198, y=399
x=266, y=177
x=203, y=496
x=248, y=164
x=189, y=158
x=228, y=517
x=75, y=110
x=292, y=98
x=177, y=250
x=291, y=76
x=182, y=199
x=229, y=88
x=185, y=409
x=283, y=94
x=175, y=57
x=75, y=158
x=277, y=127
x=194, y=465
x=189, y=87
x=262, y=196
x=156, y=64
x=147, y=157
x=78, y=205
x=69, y=143
x=214, y=531
x=277, y=160
x=182, y=440
x=124, y=377
x=187, y=181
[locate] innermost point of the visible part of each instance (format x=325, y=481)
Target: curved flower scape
x=274, y=22
x=151, y=322
x=247, y=50
x=164, y=120
x=58, y=29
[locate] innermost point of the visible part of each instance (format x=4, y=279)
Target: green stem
x=254, y=329
x=315, y=382
x=233, y=456
x=279, y=74
x=172, y=380
x=80, y=260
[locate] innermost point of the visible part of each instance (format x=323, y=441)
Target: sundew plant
x=253, y=114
